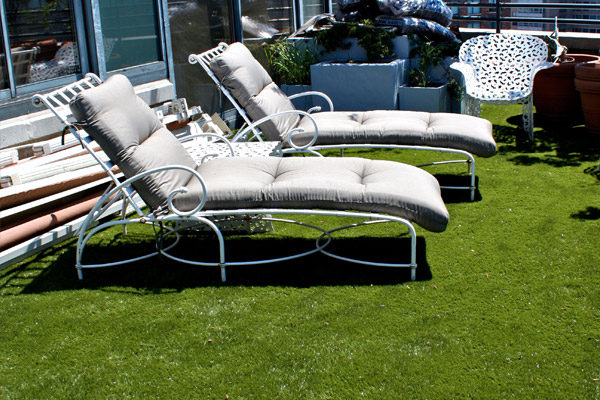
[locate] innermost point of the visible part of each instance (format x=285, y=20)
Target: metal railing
x=499, y=8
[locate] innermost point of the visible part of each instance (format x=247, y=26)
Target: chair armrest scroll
x=464, y=68
x=195, y=175
x=290, y=133
x=540, y=66
x=314, y=93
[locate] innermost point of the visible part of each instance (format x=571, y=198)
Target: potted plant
x=375, y=43
x=290, y=63
x=431, y=86
x=554, y=95
x=587, y=82
x=364, y=82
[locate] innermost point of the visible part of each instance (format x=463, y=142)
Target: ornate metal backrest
x=58, y=101
x=504, y=61
x=204, y=59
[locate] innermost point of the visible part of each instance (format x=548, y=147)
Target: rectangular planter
x=303, y=103
x=430, y=99
x=360, y=86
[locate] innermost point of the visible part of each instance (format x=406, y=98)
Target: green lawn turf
x=506, y=302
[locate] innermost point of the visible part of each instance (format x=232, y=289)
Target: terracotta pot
x=587, y=82
x=554, y=95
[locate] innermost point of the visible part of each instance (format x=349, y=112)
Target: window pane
x=265, y=18
x=3, y=70
x=42, y=39
x=310, y=8
x=196, y=26
x=130, y=33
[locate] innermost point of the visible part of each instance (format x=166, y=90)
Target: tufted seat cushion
x=457, y=131
x=328, y=183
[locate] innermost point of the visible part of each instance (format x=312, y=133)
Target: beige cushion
x=327, y=183
x=456, y=131
x=132, y=137
x=254, y=90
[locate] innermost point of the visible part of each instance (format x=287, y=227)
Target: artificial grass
x=506, y=303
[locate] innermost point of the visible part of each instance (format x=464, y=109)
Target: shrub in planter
x=290, y=63
x=376, y=41
x=430, y=68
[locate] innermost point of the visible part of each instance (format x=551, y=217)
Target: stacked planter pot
x=554, y=95
x=587, y=82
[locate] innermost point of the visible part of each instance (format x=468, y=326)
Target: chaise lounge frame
x=252, y=132
x=169, y=221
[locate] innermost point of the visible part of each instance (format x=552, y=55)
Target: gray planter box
x=303, y=103
x=430, y=99
x=360, y=87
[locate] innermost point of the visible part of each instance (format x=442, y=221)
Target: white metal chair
x=500, y=69
x=169, y=190
x=256, y=97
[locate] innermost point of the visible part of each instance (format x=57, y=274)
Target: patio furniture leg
x=527, y=111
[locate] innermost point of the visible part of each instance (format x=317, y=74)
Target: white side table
x=203, y=150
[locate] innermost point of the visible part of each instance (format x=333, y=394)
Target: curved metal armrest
x=126, y=183
x=540, y=66
x=314, y=93
x=466, y=69
x=291, y=132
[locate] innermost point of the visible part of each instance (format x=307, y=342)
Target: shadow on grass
x=458, y=195
x=590, y=213
x=593, y=171
x=157, y=275
x=569, y=145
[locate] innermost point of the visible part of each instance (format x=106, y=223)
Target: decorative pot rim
x=588, y=71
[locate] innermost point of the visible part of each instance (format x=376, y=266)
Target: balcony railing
x=500, y=16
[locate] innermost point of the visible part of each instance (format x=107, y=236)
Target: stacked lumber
x=44, y=197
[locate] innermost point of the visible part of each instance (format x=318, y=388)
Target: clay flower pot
x=587, y=82
x=554, y=95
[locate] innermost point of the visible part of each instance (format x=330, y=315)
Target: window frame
x=88, y=33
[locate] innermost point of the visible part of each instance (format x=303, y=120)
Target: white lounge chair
x=271, y=115
x=176, y=192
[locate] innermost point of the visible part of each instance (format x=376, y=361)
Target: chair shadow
x=569, y=144
x=590, y=214
x=157, y=275
x=458, y=195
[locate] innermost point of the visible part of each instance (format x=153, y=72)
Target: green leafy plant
x=377, y=42
x=290, y=63
x=431, y=54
